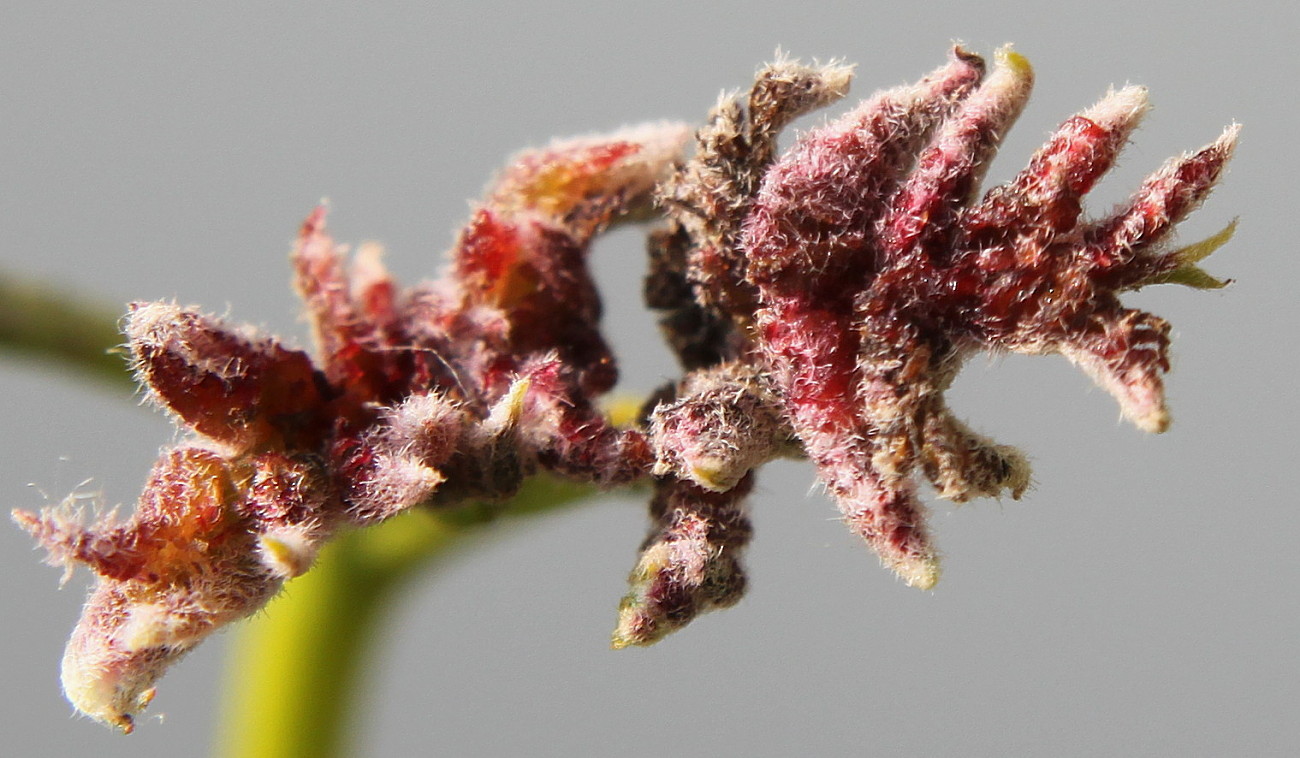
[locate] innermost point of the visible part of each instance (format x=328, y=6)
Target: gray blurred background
x=1141, y=600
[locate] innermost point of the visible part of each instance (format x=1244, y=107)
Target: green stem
x=296, y=672
x=47, y=323
x=291, y=667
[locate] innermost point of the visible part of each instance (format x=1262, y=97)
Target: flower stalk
x=61, y=327
x=296, y=673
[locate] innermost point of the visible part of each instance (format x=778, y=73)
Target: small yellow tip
x=632, y=632
x=624, y=410
x=514, y=400
x=1018, y=64
x=507, y=411
x=1156, y=422
x=624, y=632
x=922, y=574
x=712, y=473
x=277, y=550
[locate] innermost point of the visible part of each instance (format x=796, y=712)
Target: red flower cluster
x=445, y=392
x=821, y=302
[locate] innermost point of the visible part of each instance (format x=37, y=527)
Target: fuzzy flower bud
x=723, y=424
x=689, y=564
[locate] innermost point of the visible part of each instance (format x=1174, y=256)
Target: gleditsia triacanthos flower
x=820, y=303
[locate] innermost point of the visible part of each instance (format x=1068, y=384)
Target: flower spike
x=821, y=302
x=873, y=269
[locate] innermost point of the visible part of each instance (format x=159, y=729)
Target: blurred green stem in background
x=295, y=671
x=58, y=326
x=295, y=677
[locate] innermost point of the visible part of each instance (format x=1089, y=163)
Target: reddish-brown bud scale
x=283, y=490
x=240, y=390
x=324, y=286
